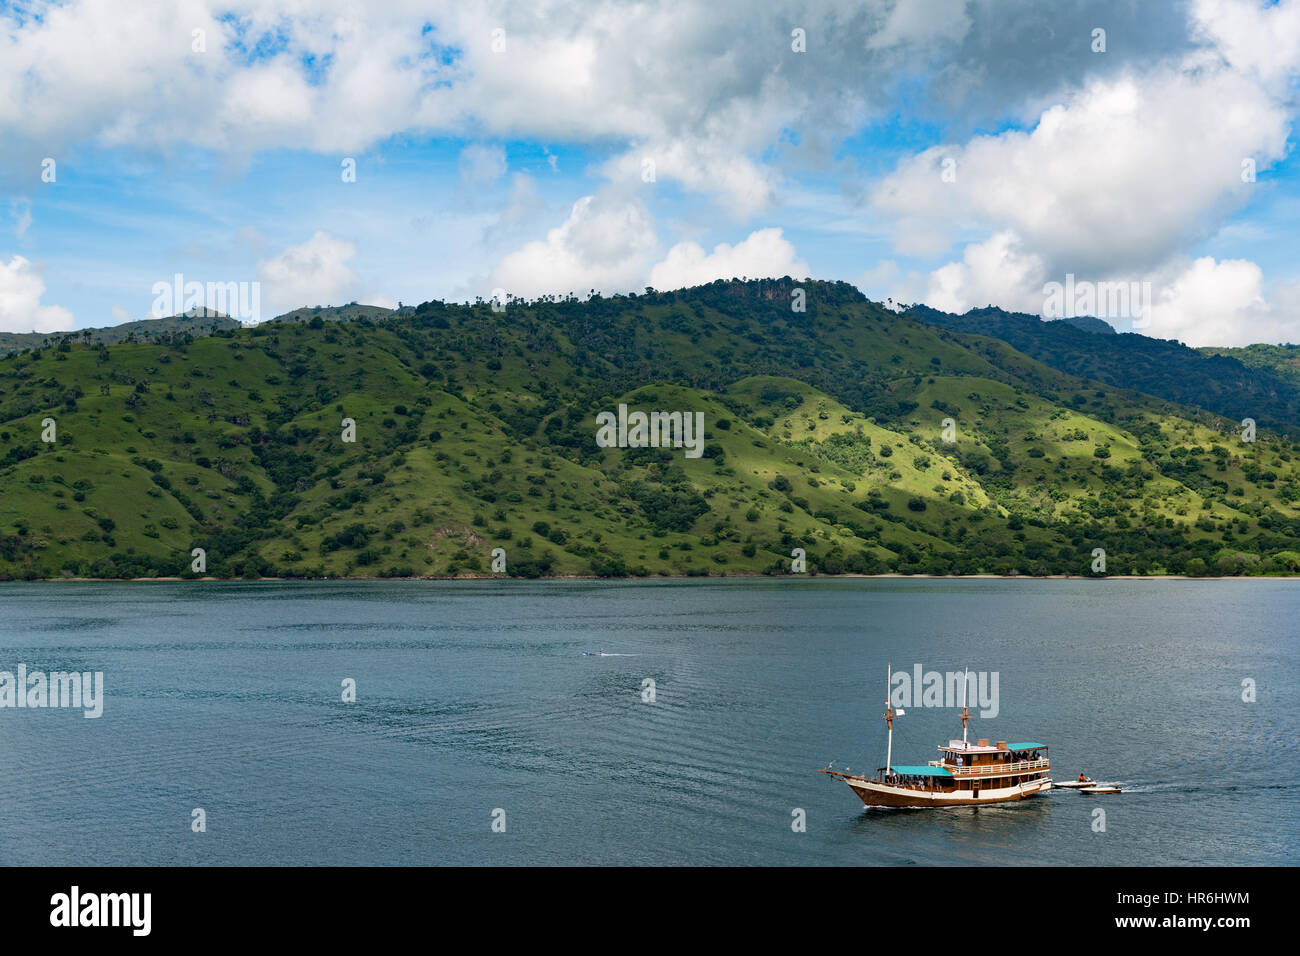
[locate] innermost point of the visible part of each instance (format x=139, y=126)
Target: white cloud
x=313, y=273
x=21, y=289
x=266, y=101
x=702, y=164
x=995, y=272
x=120, y=314
x=1114, y=181
x=706, y=86
x=1264, y=40
x=1122, y=174
x=605, y=244
x=765, y=253
x=1223, y=303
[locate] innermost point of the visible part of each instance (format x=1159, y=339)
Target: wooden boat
x=966, y=775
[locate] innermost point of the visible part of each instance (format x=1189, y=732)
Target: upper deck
x=980, y=759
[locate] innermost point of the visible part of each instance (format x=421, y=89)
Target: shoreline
x=674, y=577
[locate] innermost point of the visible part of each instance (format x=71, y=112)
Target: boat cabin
x=992, y=766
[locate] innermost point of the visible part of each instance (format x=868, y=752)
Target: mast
x=965, y=713
x=889, y=717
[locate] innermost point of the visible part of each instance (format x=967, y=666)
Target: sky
x=959, y=153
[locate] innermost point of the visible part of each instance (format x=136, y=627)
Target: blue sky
x=953, y=152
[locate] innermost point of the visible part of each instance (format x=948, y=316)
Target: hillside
x=1280, y=360
x=337, y=313
x=824, y=430
x=194, y=323
x=1088, y=323
x=1226, y=381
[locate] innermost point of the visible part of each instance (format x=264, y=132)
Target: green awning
x=1026, y=746
x=919, y=771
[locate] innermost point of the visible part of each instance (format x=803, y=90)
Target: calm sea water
x=476, y=696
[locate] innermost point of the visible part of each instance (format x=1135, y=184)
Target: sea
x=643, y=723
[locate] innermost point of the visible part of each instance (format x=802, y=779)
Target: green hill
x=1237, y=383
x=1088, y=323
x=195, y=323
x=1280, y=360
x=825, y=430
x=338, y=313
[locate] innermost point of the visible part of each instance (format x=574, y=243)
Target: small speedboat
x=1100, y=788
x=1075, y=784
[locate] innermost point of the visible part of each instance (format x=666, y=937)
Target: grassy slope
x=1281, y=360
x=475, y=430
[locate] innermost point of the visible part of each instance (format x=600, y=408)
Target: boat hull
x=876, y=794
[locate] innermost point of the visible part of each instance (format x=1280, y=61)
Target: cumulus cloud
x=1115, y=181
x=765, y=253
x=606, y=244
x=996, y=272
x=268, y=74
x=1264, y=40
x=1123, y=173
x=742, y=186
x=1223, y=302
x=317, y=272
x=21, y=289
x=704, y=85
